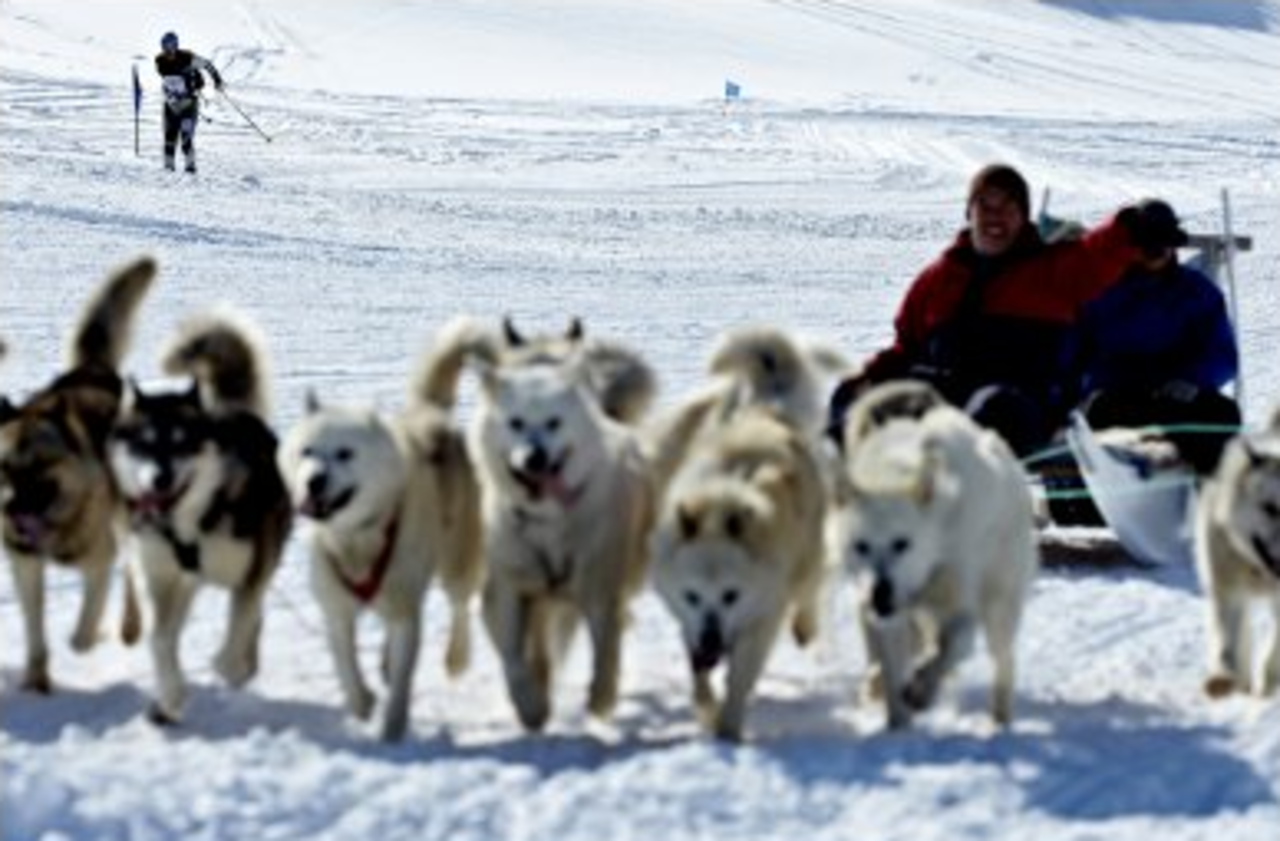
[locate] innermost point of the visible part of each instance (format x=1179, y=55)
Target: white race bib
x=175, y=87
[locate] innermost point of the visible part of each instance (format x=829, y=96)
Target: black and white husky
x=207, y=504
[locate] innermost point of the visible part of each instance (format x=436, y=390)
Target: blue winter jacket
x=1154, y=328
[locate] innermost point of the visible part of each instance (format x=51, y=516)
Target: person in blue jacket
x=1158, y=347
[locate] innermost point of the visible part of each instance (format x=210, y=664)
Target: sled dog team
x=561, y=500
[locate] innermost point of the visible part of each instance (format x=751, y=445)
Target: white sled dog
x=208, y=506
x=58, y=501
x=567, y=506
x=935, y=523
x=737, y=550
x=1238, y=560
x=393, y=503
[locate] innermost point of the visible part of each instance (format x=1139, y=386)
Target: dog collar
x=365, y=589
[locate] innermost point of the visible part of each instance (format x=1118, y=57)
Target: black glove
x=1178, y=391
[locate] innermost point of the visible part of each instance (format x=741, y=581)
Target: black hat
x=1161, y=225
x=1007, y=180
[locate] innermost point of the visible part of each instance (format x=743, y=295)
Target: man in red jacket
x=989, y=322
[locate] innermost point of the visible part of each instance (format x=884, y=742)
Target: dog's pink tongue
x=29, y=526
x=557, y=488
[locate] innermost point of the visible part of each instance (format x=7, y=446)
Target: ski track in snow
x=373, y=219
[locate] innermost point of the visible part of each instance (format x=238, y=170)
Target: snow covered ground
x=549, y=158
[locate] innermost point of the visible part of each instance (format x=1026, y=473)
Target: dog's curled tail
x=101, y=336
x=223, y=351
x=763, y=357
x=625, y=383
x=765, y=366
x=436, y=381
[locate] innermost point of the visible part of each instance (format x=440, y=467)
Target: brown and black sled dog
x=58, y=499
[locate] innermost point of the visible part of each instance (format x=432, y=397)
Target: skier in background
x=181, y=78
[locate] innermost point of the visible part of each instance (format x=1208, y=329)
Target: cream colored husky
x=935, y=524
x=1238, y=559
x=393, y=503
x=737, y=551
x=568, y=503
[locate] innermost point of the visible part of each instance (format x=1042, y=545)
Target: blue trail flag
x=732, y=90
x=137, y=90
x=137, y=110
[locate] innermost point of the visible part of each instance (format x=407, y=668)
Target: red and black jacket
x=969, y=321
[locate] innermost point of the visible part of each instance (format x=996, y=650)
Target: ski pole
x=245, y=116
x=1229, y=263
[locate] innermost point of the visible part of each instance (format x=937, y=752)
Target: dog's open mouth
x=155, y=505
x=27, y=530
x=322, y=507
x=548, y=482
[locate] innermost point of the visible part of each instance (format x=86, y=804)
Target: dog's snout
x=882, y=597
x=537, y=460
x=163, y=480
x=711, y=644
x=317, y=483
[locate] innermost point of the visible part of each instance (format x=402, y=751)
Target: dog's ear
x=8, y=411
x=195, y=394
x=687, y=518
x=311, y=402
x=129, y=396
x=575, y=331
x=510, y=333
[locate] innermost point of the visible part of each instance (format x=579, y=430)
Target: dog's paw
x=457, y=656
x=234, y=668
x=394, y=728
x=916, y=695
x=37, y=681
x=360, y=703
x=84, y=639
x=602, y=701
x=161, y=717
x=804, y=628
x=131, y=628
x=729, y=731
x=899, y=718
x=1220, y=685
x=534, y=714
x=872, y=687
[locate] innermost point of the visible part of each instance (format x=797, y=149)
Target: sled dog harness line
x=365, y=590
